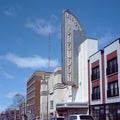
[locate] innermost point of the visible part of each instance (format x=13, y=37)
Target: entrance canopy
x=66, y=109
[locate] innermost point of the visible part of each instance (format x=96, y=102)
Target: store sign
x=71, y=32
x=69, y=55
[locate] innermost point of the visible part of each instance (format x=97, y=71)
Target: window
x=51, y=104
x=95, y=73
x=112, y=66
x=73, y=118
x=96, y=93
x=113, y=89
x=86, y=117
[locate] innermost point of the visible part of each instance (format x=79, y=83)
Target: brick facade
x=105, y=88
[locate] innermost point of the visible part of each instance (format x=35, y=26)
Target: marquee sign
x=72, y=36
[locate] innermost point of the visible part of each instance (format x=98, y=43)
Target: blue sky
x=24, y=31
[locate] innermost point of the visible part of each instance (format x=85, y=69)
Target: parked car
x=60, y=118
x=80, y=117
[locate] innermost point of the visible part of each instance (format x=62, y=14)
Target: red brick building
x=33, y=94
x=104, y=82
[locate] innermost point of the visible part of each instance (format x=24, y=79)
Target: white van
x=80, y=117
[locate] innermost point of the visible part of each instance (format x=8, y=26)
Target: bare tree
x=8, y=112
x=18, y=100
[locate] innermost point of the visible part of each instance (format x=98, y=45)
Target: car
x=80, y=117
x=60, y=118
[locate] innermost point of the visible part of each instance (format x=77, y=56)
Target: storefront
x=106, y=111
x=66, y=109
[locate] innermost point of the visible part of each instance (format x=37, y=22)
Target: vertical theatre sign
x=72, y=36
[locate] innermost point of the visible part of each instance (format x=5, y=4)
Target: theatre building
x=76, y=49
x=104, y=82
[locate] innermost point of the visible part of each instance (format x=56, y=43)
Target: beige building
x=57, y=91
x=52, y=91
x=61, y=95
x=44, y=97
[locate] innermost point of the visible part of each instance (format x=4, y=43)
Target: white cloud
x=10, y=11
x=11, y=95
x=30, y=62
x=41, y=27
x=44, y=27
x=7, y=75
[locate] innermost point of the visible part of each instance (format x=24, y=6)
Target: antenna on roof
x=48, y=68
x=49, y=49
